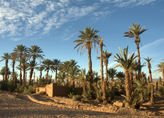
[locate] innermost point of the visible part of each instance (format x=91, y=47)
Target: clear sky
x=55, y=24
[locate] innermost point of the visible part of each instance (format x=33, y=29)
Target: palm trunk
x=150, y=76
x=20, y=77
x=14, y=79
x=135, y=76
x=106, y=66
x=103, y=83
x=152, y=86
x=152, y=94
x=6, y=69
x=20, y=70
x=112, y=79
x=84, y=87
x=31, y=73
x=56, y=74
x=131, y=80
x=73, y=82
x=24, y=74
x=90, y=69
x=127, y=87
x=160, y=79
x=139, y=63
x=40, y=74
x=47, y=76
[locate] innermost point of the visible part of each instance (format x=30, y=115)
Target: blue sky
x=55, y=24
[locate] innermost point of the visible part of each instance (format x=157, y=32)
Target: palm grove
x=135, y=87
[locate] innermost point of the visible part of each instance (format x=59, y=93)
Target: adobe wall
x=49, y=89
x=60, y=90
x=55, y=90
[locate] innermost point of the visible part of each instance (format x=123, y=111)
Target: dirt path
x=20, y=106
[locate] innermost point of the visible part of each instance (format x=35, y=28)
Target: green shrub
x=110, y=92
x=73, y=90
x=20, y=88
x=76, y=98
x=135, y=101
x=3, y=85
x=87, y=94
x=98, y=92
x=41, y=82
x=160, y=91
x=28, y=90
x=70, y=95
x=11, y=86
x=147, y=92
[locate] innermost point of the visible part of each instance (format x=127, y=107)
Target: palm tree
x=135, y=31
x=47, y=63
x=6, y=57
x=64, y=67
x=61, y=76
x=35, y=52
x=101, y=59
x=2, y=72
x=73, y=72
x=40, y=68
x=32, y=65
x=20, y=50
x=56, y=64
x=112, y=72
x=88, y=38
x=105, y=56
x=149, y=67
x=82, y=78
x=125, y=63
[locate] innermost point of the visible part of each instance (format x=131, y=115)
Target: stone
x=119, y=104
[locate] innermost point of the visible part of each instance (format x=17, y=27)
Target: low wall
x=55, y=90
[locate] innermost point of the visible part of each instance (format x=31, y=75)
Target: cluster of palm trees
x=89, y=37
x=70, y=71
x=23, y=55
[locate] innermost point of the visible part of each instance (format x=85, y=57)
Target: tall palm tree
x=106, y=55
x=20, y=50
x=56, y=64
x=135, y=31
x=6, y=57
x=125, y=63
x=47, y=63
x=101, y=59
x=88, y=38
x=32, y=65
x=13, y=58
x=36, y=53
x=149, y=67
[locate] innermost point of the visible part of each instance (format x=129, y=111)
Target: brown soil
x=20, y=105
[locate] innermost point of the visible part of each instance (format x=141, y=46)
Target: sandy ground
x=27, y=106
